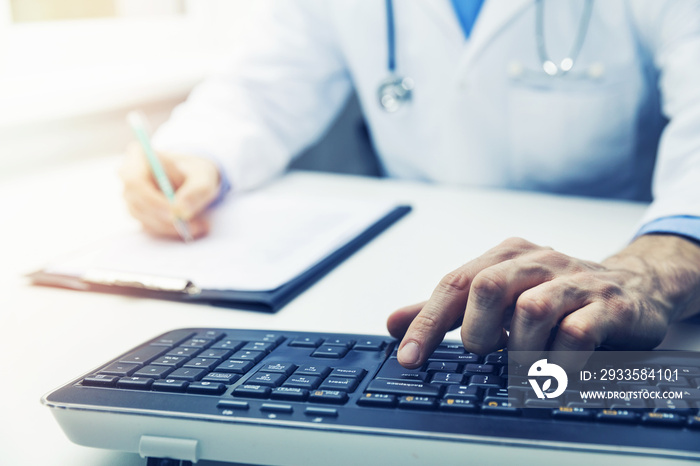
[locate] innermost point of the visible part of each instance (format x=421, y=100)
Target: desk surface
x=52, y=335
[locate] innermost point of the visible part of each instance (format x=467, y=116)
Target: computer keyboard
x=273, y=397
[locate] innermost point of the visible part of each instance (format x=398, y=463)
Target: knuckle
x=549, y=256
x=489, y=283
x=611, y=291
x=622, y=310
x=455, y=282
x=426, y=322
x=516, y=243
x=578, y=331
x=534, y=307
x=511, y=248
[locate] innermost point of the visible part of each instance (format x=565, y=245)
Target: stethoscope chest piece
x=395, y=91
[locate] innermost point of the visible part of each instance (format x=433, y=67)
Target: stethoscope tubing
x=394, y=91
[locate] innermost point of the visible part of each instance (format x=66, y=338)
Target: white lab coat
x=482, y=113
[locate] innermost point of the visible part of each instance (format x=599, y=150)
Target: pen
x=137, y=121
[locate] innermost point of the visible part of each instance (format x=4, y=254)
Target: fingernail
x=409, y=354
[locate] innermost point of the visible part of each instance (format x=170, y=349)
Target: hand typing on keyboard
x=549, y=300
x=285, y=397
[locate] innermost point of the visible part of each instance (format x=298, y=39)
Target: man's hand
x=196, y=182
x=626, y=302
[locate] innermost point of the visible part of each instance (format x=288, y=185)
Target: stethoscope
x=396, y=90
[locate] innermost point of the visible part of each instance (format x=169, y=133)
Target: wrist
x=664, y=270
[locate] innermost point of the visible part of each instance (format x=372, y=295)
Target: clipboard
x=185, y=288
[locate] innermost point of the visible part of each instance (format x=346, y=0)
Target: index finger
x=448, y=303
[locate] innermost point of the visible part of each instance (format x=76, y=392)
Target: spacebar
x=402, y=388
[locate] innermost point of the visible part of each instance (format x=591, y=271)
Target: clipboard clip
x=140, y=281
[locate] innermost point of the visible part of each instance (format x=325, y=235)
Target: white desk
x=51, y=335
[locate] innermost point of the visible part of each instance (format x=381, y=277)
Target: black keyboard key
x=252, y=391
x=633, y=403
x=172, y=361
x=500, y=407
x=673, y=406
x=471, y=392
x=447, y=378
x=663, y=419
x=135, y=383
x=330, y=351
x=355, y=372
x=269, y=379
x=586, y=405
x=255, y=356
x=681, y=383
x=313, y=369
x=328, y=396
x=453, y=357
x=101, y=380
x=392, y=370
x=689, y=371
x=347, y=342
x=262, y=346
x=170, y=385
x=187, y=373
x=417, y=402
x=213, y=353
x=276, y=408
x=464, y=390
x=306, y=342
x=289, y=393
x=272, y=338
x=462, y=405
x=202, y=363
x=184, y=351
x=579, y=414
x=228, y=344
x=221, y=377
x=285, y=368
x=206, y=388
x=499, y=358
x=173, y=338
x=473, y=369
x=156, y=372
x=235, y=366
x=233, y=404
x=451, y=348
x=487, y=381
x=537, y=403
x=200, y=343
x=694, y=422
x=321, y=412
x=143, y=355
x=347, y=384
x=308, y=382
x=213, y=335
x=370, y=344
x=614, y=415
x=442, y=366
x=382, y=400
x=399, y=387
x=120, y=369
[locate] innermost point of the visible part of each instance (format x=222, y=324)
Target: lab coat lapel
x=494, y=16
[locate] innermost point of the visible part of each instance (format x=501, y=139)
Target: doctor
x=573, y=97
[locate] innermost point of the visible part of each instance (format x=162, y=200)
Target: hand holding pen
x=167, y=193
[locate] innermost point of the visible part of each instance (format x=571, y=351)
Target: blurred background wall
x=70, y=70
